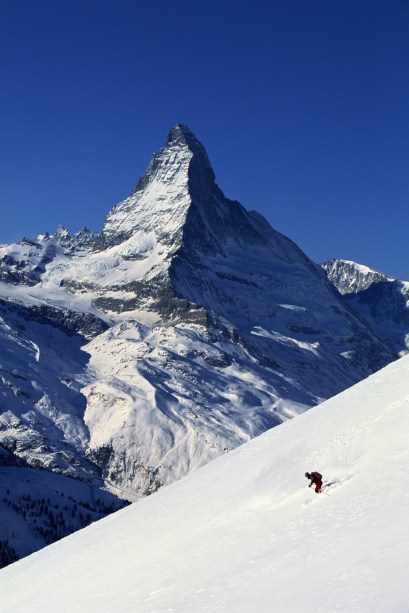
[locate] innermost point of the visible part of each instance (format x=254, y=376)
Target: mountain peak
x=180, y=136
x=180, y=133
x=351, y=277
x=161, y=199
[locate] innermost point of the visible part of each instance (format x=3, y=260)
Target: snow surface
x=245, y=533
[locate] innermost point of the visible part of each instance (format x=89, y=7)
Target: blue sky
x=302, y=106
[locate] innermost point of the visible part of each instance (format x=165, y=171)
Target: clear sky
x=302, y=105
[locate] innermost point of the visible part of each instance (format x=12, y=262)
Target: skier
x=316, y=479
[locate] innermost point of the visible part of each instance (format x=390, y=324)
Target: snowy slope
x=245, y=533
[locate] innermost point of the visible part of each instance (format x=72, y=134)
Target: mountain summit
x=194, y=241
x=182, y=137
x=162, y=197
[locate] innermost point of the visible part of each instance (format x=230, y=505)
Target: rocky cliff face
x=186, y=327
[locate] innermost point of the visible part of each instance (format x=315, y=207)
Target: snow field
x=245, y=533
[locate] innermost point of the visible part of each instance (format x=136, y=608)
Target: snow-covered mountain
x=246, y=534
x=351, y=277
x=182, y=330
x=382, y=300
